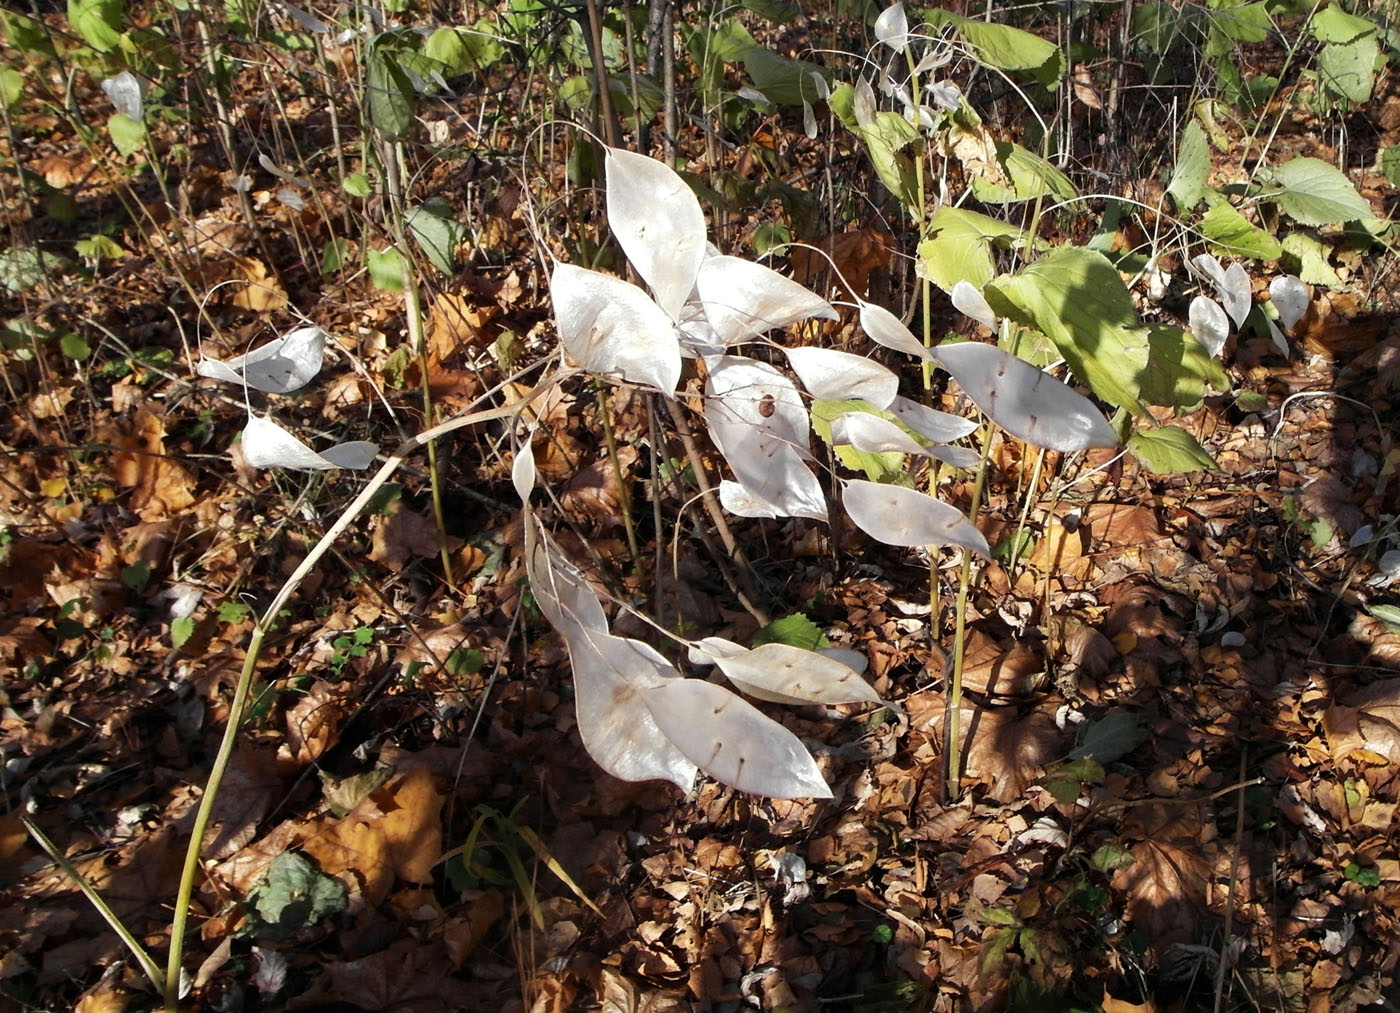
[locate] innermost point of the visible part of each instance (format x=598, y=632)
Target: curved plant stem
x=624, y=501
x=148, y=965
x=245, y=677
x=953, y=710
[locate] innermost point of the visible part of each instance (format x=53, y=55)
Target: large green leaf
x=1188, y=182
x=884, y=467
x=1004, y=47
x=1178, y=368
x=959, y=247
x=781, y=79
x=437, y=232
x=391, y=91
x=99, y=22
x=1229, y=233
x=1170, y=449
x=1077, y=299
x=1332, y=24
x=1029, y=177
x=1317, y=193
x=1349, y=69
x=465, y=50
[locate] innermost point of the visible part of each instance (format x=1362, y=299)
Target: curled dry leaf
x=267, y=445
x=1027, y=402
x=659, y=225
x=892, y=27
x=898, y=516
x=884, y=328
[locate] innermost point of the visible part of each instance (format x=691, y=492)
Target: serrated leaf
x=795, y=630
x=1316, y=193
x=1169, y=450
x=1027, y=402
x=1290, y=297
x=780, y=673
x=1209, y=324
x=834, y=375
x=609, y=326
x=1350, y=70
x=267, y=445
x=356, y=184
x=1078, y=300
x=1229, y=232
x=743, y=299
x=659, y=225
x=898, y=516
x=1004, y=47
x=733, y=741
x=1308, y=258
x=181, y=629
x=281, y=366
x=1188, y=182
x=1030, y=176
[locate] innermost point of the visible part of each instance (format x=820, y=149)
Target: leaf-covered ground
x=1183, y=719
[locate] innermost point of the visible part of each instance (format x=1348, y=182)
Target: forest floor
x=1221, y=637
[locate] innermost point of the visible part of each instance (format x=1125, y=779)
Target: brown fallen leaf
x=313, y=724
x=1166, y=883
x=262, y=293
x=1366, y=726
x=403, y=535
x=1001, y=749
x=160, y=486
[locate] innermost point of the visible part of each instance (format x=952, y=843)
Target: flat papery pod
x=282, y=365
x=743, y=299
x=940, y=427
x=267, y=445
x=560, y=589
x=659, y=225
x=896, y=515
x=1209, y=324
x=1028, y=403
x=840, y=376
x=732, y=741
x=697, y=336
x=873, y=434
x=522, y=471
x=802, y=501
x=852, y=659
x=709, y=649
x=1290, y=297
x=609, y=326
x=1277, y=337
x=892, y=27
x=958, y=457
x=611, y=676
x=781, y=673
x=884, y=328
x=1231, y=285
x=760, y=424
x=968, y=301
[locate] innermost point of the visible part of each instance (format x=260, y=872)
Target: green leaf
x=1333, y=24
x=437, y=232
x=1229, y=233
x=464, y=50
x=464, y=661
x=1316, y=193
x=883, y=138
x=1233, y=22
x=1178, y=368
x=1349, y=70
x=181, y=630
x=356, y=185
x=1188, y=182
x=391, y=91
x=885, y=467
x=795, y=630
x=1309, y=259
x=23, y=267
x=783, y=80
x=386, y=269
x=1030, y=177
x=28, y=36
x=74, y=346
x=99, y=248
x=780, y=12
x=1067, y=780
x=1390, y=163
x=11, y=86
x=234, y=612
x=1169, y=450
x=1078, y=300
x=127, y=135
x=333, y=256
x=769, y=235
x=1004, y=47
x=136, y=576
x=1388, y=614
x=1361, y=875
x=99, y=22
x=292, y=895
x=960, y=247
x=1111, y=737
x=1108, y=857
